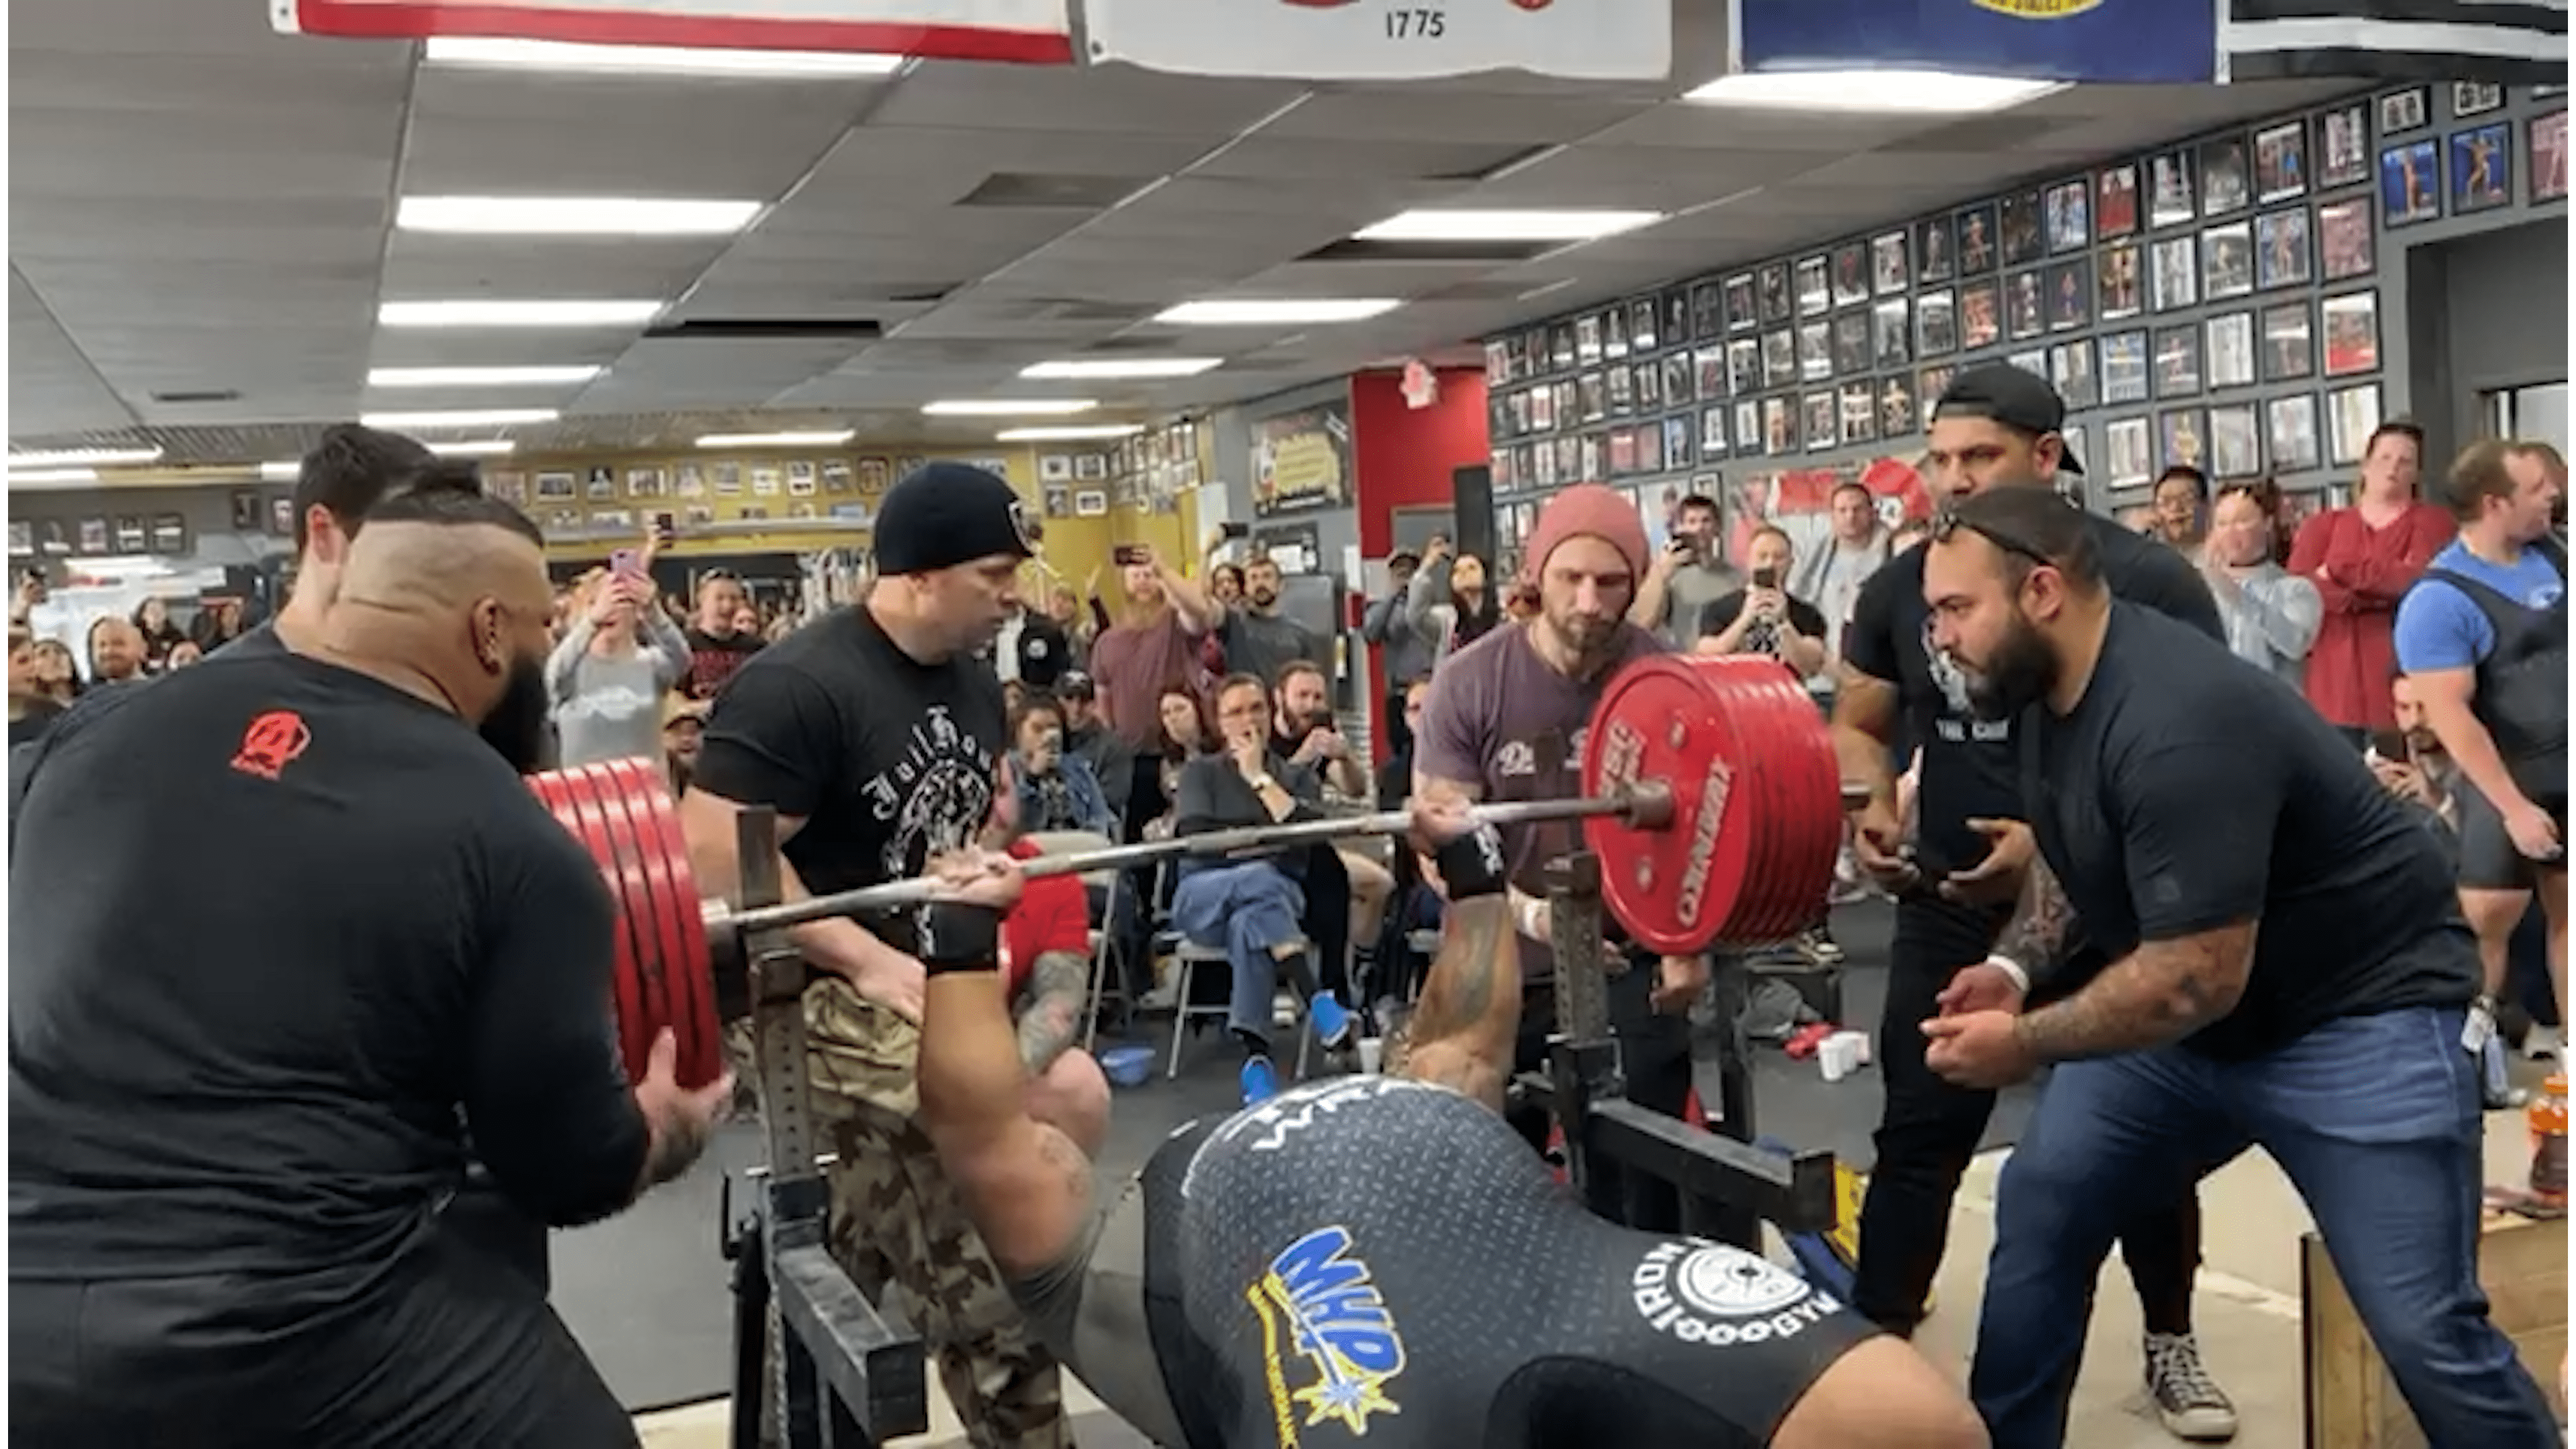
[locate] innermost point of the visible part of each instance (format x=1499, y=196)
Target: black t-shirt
x=1213, y=795
x=713, y=661
x=259, y=643
x=1971, y=767
x=273, y=924
x=1721, y=613
x=2188, y=792
x=888, y=760
x=30, y=727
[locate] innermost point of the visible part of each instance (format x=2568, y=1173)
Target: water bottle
x=2548, y=1117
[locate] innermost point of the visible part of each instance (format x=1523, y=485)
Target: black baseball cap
x=2012, y=397
x=944, y=514
x=1074, y=684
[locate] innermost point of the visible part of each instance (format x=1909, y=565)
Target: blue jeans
x=1245, y=909
x=2374, y=1118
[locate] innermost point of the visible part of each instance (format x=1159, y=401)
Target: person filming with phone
x=606, y=680
x=1687, y=576
x=1762, y=617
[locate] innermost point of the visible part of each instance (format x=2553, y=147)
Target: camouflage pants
x=896, y=1222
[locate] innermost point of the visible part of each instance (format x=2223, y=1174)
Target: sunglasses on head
x=1947, y=523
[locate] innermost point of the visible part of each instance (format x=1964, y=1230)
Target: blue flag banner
x=2174, y=42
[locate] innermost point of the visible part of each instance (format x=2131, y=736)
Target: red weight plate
x=1748, y=689
x=641, y=1009
x=1674, y=889
x=1773, y=729
x=1812, y=810
x=684, y=942
x=663, y=978
x=557, y=790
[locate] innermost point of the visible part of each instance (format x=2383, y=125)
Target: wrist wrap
x=1472, y=865
x=956, y=936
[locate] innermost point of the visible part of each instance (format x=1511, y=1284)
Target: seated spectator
x=160, y=636
x=1306, y=733
x=2272, y=615
x=1186, y=736
x=684, y=728
x=31, y=708
x=1761, y=617
x=1251, y=909
x=1088, y=735
x=1046, y=961
x=115, y=651
x=1055, y=790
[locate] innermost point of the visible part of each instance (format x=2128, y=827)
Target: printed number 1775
x=1416, y=24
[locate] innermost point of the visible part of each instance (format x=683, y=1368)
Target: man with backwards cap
x=1505, y=721
x=1959, y=870
x=873, y=733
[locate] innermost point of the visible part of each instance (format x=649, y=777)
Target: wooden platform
x=2354, y=1404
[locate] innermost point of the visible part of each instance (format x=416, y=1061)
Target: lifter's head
x=447, y=589
x=337, y=489
x=950, y=540
x=1586, y=554
x=2015, y=587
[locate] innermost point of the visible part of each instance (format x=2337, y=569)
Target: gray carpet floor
x=647, y=1292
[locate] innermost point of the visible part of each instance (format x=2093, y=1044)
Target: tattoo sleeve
x=1052, y=1008
x=2042, y=925
x=2159, y=993
x=1462, y=1032
x=677, y=1143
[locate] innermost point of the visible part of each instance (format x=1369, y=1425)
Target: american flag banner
x=2168, y=42
x=1035, y=31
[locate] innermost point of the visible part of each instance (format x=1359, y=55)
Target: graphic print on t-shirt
x=1958, y=721
x=936, y=794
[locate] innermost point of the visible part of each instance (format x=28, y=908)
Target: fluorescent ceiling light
x=53, y=475
x=1099, y=368
x=1276, y=312
x=474, y=312
x=479, y=376
x=286, y=472
x=652, y=59
x=573, y=216
x=813, y=438
x=1566, y=225
x=474, y=448
x=1005, y=407
x=88, y=457
x=1881, y=92
x=460, y=418
x=1076, y=432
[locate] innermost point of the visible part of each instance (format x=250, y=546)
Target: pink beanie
x=1587, y=508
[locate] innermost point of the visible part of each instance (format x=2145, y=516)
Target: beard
x=1263, y=598
x=2021, y=673
x=1581, y=635
x=516, y=727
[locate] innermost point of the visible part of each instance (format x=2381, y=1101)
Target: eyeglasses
x=1947, y=523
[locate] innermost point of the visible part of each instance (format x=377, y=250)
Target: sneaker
x=1332, y=1021
x=1817, y=944
x=1260, y=1081
x=2543, y=1044
x=2187, y=1399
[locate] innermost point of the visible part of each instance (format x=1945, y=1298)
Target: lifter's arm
x=1025, y=1185
x=879, y=971
x=1467, y=1024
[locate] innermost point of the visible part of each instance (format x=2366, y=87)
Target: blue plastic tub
x=1128, y=1066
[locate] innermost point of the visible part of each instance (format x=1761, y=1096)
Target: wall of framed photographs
x=2234, y=300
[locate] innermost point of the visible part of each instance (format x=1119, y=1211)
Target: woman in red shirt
x=1046, y=964
x=2363, y=559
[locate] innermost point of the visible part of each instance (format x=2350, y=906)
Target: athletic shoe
x=2187, y=1399
x=1331, y=1020
x=1817, y=944
x=2543, y=1045
x=1260, y=1081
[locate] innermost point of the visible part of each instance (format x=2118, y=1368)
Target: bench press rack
x=834, y=1371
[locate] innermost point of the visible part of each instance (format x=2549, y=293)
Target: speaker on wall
x=1472, y=486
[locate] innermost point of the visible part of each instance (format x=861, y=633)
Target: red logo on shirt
x=271, y=743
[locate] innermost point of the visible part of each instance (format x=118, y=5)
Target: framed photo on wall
x=2235, y=442
x=2482, y=168
x=2125, y=377
x=1741, y=314
x=2352, y=416
x=1890, y=270
x=2070, y=371
x=2289, y=343
x=1935, y=251
x=2068, y=207
x=2228, y=355
x=2343, y=147
x=2177, y=361
x=2346, y=246
x=2225, y=181
x=1815, y=286
x=2475, y=98
x=245, y=511
x=1936, y=324
x=2352, y=333
x=2172, y=199
x=2410, y=182
x=2023, y=237
x=1896, y=409
x=2547, y=137
x=2227, y=261
x=2281, y=162
x=1977, y=252
x=2182, y=439
x=2128, y=459
x=2406, y=110
x=1851, y=274
x=2122, y=274
x=2281, y=248
x=2176, y=273
x=2115, y=201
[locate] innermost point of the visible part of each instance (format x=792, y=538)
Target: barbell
x=1711, y=796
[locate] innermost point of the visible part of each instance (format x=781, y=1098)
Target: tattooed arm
x=2159, y=993
x=2042, y=928
x=1464, y=1030
x=1051, y=1008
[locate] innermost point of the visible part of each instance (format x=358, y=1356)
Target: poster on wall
x=1302, y=460
x=1385, y=39
x=1030, y=31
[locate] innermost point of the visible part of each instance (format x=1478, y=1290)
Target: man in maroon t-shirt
x=716, y=648
x=1153, y=649
x=1505, y=721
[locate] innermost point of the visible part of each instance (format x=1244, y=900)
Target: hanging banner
x=1034, y=31
x=2168, y=42
x=1386, y=39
